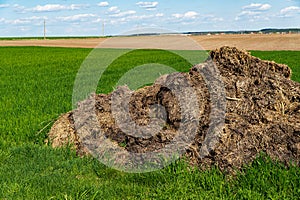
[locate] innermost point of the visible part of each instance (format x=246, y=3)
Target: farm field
x=208, y=42
x=36, y=87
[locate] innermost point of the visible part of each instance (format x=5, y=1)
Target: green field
x=36, y=87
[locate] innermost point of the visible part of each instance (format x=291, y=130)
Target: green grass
x=291, y=58
x=36, y=87
x=131, y=59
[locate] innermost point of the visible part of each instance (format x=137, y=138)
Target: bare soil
x=207, y=42
x=271, y=42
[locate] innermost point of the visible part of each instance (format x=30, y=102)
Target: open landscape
x=149, y=99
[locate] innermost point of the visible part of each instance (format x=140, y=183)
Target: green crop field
x=36, y=87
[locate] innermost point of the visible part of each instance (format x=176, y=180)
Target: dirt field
x=251, y=42
x=84, y=43
x=208, y=42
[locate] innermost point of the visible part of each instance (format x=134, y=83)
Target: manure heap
x=262, y=113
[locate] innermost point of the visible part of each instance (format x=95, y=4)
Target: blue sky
x=78, y=18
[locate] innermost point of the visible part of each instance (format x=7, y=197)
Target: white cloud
x=18, y=8
x=123, y=14
x=19, y=21
x=56, y=7
x=159, y=15
x=191, y=14
x=33, y=20
x=4, y=5
x=77, y=18
x=138, y=17
x=212, y=18
x=187, y=15
x=103, y=4
x=114, y=9
x=290, y=11
x=142, y=17
x=177, y=15
x=257, y=7
x=131, y=17
x=248, y=13
x=254, y=12
x=148, y=5
x=251, y=16
x=48, y=8
x=36, y=18
x=98, y=20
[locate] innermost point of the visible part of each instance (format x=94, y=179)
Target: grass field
x=36, y=87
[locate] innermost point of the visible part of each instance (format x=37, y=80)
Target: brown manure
x=262, y=113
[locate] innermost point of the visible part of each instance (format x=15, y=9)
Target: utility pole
x=103, y=28
x=44, y=29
